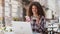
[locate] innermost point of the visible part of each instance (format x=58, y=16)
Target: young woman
x=37, y=18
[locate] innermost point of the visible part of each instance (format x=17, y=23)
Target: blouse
x=37, y=27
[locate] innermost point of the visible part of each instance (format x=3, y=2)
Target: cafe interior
x=13, y=12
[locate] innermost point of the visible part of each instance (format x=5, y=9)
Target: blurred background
x=16, y=10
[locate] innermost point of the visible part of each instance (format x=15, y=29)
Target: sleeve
x=43, y=24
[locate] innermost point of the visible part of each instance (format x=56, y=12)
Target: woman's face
x=34, y=9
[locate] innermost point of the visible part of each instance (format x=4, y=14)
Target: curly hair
x=39, y=8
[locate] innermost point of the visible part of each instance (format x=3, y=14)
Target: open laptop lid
x=22, y=27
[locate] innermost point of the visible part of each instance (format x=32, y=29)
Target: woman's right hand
x=27, y=18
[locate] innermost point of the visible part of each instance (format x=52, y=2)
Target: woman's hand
x=27, y=18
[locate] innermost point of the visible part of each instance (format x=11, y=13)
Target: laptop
x=22, y=27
